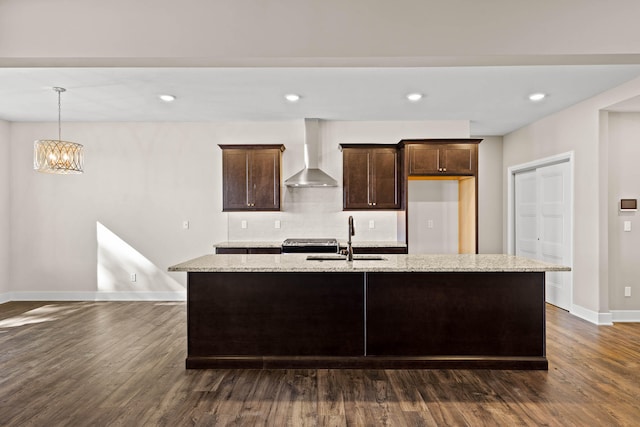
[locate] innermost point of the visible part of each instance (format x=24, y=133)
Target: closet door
x=543, y=224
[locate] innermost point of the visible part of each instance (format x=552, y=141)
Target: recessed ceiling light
x=414, y=97
x=292, y=97
x=537, y=96
x=167, y=98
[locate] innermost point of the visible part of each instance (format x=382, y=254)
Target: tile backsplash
x=312, y=212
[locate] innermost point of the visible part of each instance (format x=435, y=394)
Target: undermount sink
x=344, y=258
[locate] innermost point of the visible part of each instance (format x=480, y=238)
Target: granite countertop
x=391, y=263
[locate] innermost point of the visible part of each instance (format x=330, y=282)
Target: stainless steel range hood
x=311, y=175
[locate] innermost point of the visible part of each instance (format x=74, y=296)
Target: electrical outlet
x=372, y=224
x=430, y=223
x=132, y=277
x=627, y=291
x=277, y=224
x=627, y=226
x=185, y=225
x=243, y=224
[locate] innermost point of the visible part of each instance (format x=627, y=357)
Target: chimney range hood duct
x=311, y=175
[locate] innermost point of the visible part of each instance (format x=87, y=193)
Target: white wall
x=83, y=234
x=433, y=217
x=141, y=181
x=320, y=32
x=624, y=183
x=5, y=188
x=576, y=129
x=490, y=194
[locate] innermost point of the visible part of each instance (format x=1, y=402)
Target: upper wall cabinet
x=371, y=178
x=442, y=157
x=251, y=177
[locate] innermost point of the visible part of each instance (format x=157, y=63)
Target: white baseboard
x=626, y=315
x=591, y=316
x=94, y=296
x=576, y=310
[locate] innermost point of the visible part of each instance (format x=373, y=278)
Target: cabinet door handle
x=444, y=169
x=374, y=204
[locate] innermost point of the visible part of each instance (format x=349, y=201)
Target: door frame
x=511, y=200
x=511, y=196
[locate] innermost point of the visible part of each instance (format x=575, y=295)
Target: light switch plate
x=243, y=223
x=372, y=224
x=627, y=226
x=277, y=223
x=627, y=291
x=185, y=225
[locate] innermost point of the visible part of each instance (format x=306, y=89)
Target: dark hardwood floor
x=122, y=363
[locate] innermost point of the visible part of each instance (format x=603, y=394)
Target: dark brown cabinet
x=442, y=159
x=371, y=178
x=244, y=317
x=251, y=177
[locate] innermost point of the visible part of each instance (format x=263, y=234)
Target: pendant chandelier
x=55, y=155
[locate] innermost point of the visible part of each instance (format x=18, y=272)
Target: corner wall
x=624, y=183
x=5, y=229
x=577, y=129
x=490, y=195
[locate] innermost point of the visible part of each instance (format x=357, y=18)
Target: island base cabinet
x=366, y=320
x=456, y=315
x=240, y=315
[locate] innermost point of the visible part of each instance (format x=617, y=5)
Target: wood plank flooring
x=122, y=363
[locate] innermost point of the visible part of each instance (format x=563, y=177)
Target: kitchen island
x=403, y=311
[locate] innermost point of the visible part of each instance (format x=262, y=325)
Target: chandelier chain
x=59, y=118
x=59, y=90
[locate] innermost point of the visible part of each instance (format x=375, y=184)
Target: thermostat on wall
x=629, y=205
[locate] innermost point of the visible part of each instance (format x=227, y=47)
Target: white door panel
x=526, y=221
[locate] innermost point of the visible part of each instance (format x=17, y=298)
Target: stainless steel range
x=310, y=246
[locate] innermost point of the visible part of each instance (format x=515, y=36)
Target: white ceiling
x=493, y=98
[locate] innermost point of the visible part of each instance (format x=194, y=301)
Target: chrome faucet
x=352, y=232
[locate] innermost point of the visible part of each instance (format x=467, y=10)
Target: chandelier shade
x=55, y=155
